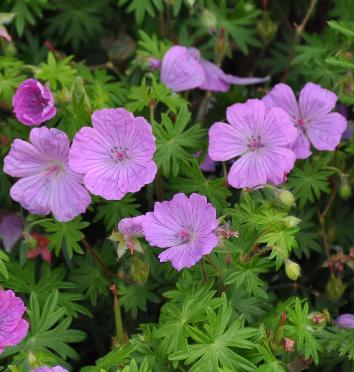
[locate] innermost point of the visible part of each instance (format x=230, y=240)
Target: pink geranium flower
x=183, y=69
x=33, y=103
x=184, y=227
x=311, y=116
x=115, y=156
x=13, y=329
x=259, y=138
x=46, y=184
x=129, y=230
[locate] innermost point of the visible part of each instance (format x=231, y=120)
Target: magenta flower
x=129, y=230
x=259, y=138
x=13, y=329
x=115, y=156
x=46, y=184
x=185, y=226
x=33, y=103
x=346, y=320
x=311, y=116
x=183, y=69
x=11, y=227
x=49, y=369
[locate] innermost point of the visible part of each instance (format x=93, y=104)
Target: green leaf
x=78, y=22
x=135, y=297
x=193, y=180
x=58, y=73
x=141, y=8
x=111, y=212
x=65, y=235
x=215, y=345
x=176, y=143
x=309, y=182
x=3, y=269
x=344, y=27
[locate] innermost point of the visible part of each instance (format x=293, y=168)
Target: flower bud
x=291, y=221
x=208, y=20
x=345, y=191
x=287, y=198
x=335, y=288
x=139, y=270
x=292, y=270
x=154, y=63
x=266, y=28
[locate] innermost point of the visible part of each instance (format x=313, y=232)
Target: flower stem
x=117, y=316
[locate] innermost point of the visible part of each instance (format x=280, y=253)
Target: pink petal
x=277, y=128
x=226, y=142
x=236, y=80
x=181, y=69
x=50, y=143
x=325, y=132
x=24, y=160
x=33, y=194
x=283, y=96
x=315, y=101
x=301, y=146
x=203, y=214
x=246, y=117
x=68, y=197
x=214, y=80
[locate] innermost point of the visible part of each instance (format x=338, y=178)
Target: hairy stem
x=117, y=316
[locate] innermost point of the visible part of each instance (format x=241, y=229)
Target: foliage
x=238, y=308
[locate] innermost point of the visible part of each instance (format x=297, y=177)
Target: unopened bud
x=345, y=190
x=287, y=198
x=291, y=221
x=139, y=270
x=154, y=63
x=335, y=287
x=292, y=270
x=208, y=20
x=266, y=28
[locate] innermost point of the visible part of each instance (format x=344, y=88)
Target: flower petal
x=181, y=69
x=325, y=132
x=226, y=142
x=214, y=78
x=315, y=101
x=68, y=197
x=301, y=146
x=283, y=96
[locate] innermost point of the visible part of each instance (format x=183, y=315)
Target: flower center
x=254, y=143
x=54, y=169
x=300, y=123
x=38, y=100
x=185, y=235
x=118, y=154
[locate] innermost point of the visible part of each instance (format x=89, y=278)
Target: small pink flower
x=33, y=103
x=116, y=155
x=311, y=115
x=129, y=230
x=259, y=138
x=13, y=329
x=183, y=69
x=46, y=183
x=289, y=345
x=184, y=227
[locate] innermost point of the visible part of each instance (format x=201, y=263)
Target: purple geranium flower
x=13, y=329
x=47, y=183
x=49, y=369
x=260, y=138
x=183, y=69
x=11, y=227
x=115, y=156
x=208, y=165
x=129, y=230
x=311, y=116
x=185, y=226
x=33, y=103
x=346, y=320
